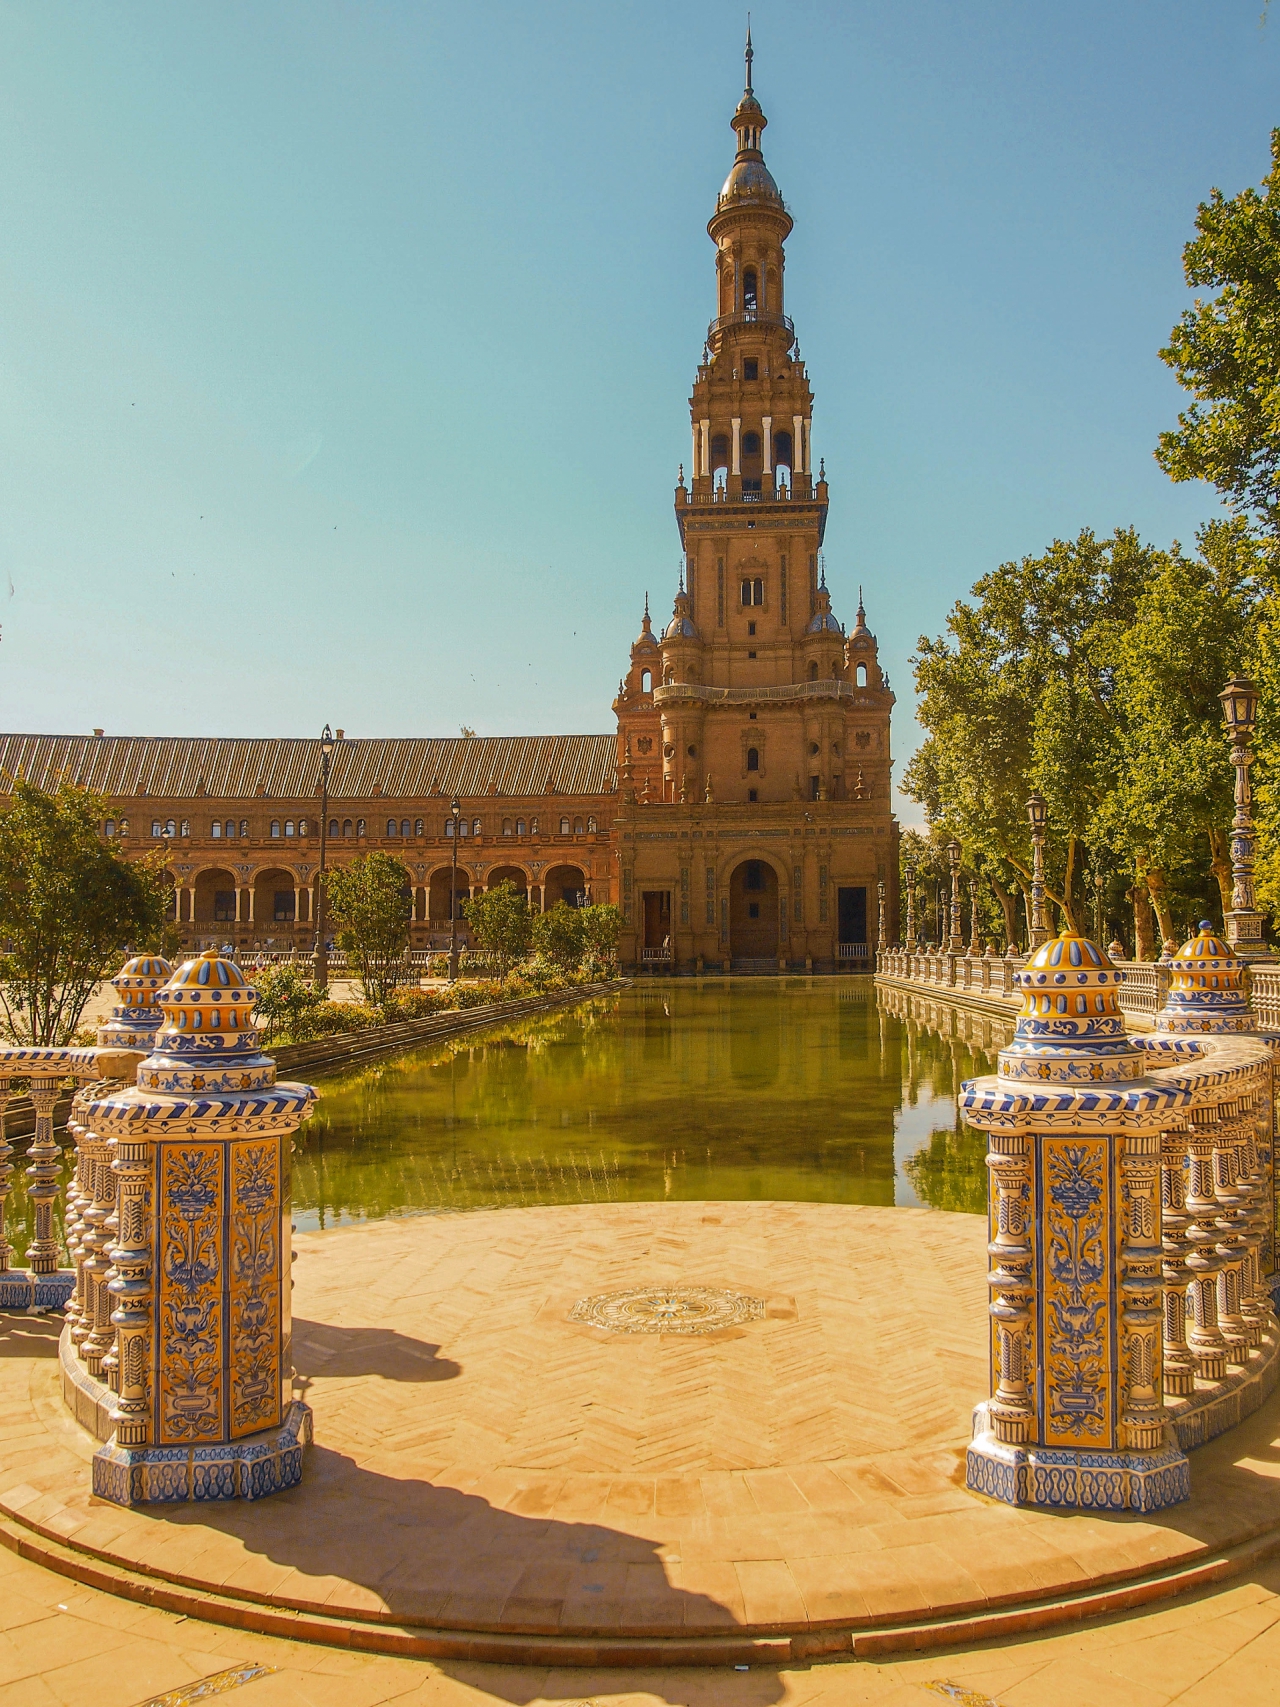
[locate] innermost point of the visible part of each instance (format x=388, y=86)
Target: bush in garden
x=289, y=1003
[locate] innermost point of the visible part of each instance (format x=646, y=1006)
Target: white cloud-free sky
x=345, y=348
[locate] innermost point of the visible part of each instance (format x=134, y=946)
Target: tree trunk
x=1143, y=942
x=1220, y=865
x=1159, y=892
x=1009, y=907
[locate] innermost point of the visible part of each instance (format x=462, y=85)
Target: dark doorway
x=852, y=911
x=753, y=911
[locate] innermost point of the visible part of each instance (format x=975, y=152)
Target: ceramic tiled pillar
x=1076, y=1416
x=203, y=1146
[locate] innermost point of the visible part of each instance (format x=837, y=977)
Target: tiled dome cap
x=1206, y=989
x=208, y=1002
x=1070, y=1026
x=140, y=980
x=137, y=1016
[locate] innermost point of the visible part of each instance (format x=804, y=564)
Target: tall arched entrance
x=753, y=911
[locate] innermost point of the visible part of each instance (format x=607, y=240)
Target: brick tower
x=753, y=718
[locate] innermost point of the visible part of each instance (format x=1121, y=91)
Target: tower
x=753, y=696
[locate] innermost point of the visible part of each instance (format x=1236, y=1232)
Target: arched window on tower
x=750, y=295
x=782, y=459
x=719, y=460
x=751, y=462
x=813, y=672
x=646, y=681
x=862, y=675
x=753, y=758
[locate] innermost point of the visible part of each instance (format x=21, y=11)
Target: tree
x=371, y=902
x=559, y=935
x=601, y=929
x=288, y=1002
x=501, y=922
x=69, y=903
x=1226, y=351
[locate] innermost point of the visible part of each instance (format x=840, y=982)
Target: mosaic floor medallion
x=668, y=1310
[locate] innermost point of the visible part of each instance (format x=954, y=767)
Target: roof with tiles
x=179, y=767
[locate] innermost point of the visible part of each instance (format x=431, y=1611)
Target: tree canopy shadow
x=338, y=1353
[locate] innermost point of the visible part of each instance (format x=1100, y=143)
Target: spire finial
x=750, y=56
x=646, y=607
x=682, y=575
x=822, y=560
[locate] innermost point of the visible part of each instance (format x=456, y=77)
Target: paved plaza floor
x=514, y=1446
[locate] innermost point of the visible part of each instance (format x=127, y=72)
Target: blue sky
x=345, y=348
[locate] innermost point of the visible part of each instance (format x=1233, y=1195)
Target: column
x=44, y=1155
x=705, y=427
x=1179, y=1370
x=797, y=445
x=297, y=904
x=808, y=447
x=252, y=888
x=239, y=902
x=737, y=445
x=766, y=441
x=1205, y=1340
x=693, y=466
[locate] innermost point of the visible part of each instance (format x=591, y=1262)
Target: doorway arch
x=753, y=910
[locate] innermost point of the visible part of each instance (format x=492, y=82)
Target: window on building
x=751, y=628
x=475, y=827
x=110, y=827
x=170, y=828
x=417, y=826
x=564, y=826
x=186, y=826
x=753, y=909
x=155, y=827
x=391, y=826
x=463, y=827
x=753, y=878
x=224, y=906
x=813, y=672
x=646, y=681
x=753, y=591
x=751, y=444
x=815, y=787
x=862, y=675
x=749, y=295
x=753, y=758
x=244, y=829
x=275, y=826
x=506, y=826
x=753, y=794
x=404, y=827
x=719, y=452
x=750, y=367
x=124, y=827
x=215, y=832
x=750, y=654
x=520, y=827
x=288, y=827
x=782, y=451
x=360, y=829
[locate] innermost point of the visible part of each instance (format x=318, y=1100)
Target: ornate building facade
x=741, y=815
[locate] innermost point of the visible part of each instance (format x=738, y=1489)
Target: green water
x=805, y=1089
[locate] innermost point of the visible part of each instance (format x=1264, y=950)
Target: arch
x=333, y=826
x=862, y=675
x=753, y=885
x=346, y=827
x=404, y=828
x=577, y=826
x=592, y=827
x=392, y=826
x=275, y=900
x=521, y=828
x=302, y=826
x=213, y=893
x=646, y=681
x=753, y=758
x=275, y=826
x=719, y=451
x=750, y=290
x=360, y=830
x=564, y=826
x=567, y=883
x=109, y=828
x=813, y=670
x=508, y=874
x=417, y=826
x=782, y=450
x=438, y=894
x=289, y=827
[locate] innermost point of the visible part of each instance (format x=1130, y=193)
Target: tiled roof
x=181, y=768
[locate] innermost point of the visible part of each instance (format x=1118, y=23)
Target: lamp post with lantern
x=880, y=890
x=1038, y=817
x=455, y=812
x=955, y=944
x=975, y=942
x=909, y=878
x=1240, y=716
x=321, y=953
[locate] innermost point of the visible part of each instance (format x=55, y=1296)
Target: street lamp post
x=1240, y=715
x=321, y=953
x=456, y=813
x=975, y=943
x=1038, y=816
x=955, y=943
x=880, y=915
x=909, y=877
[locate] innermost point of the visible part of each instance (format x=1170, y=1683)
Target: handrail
x=750, y=317
x=671, y=692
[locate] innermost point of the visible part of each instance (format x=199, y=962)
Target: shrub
x=501, y=923
x=560, y=936
x=336, y=1017
x=288, y=1003
x=477, y=995
x=419, y=1004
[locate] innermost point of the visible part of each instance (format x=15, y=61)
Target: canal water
x=801, y=1089
x=806, y=1089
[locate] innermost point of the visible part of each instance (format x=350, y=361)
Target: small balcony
x=752, y=317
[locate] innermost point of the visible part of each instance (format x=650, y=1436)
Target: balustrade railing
x=1144, y=987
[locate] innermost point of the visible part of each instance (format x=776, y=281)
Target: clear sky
x=346, y=348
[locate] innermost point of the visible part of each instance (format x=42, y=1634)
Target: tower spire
x=750, y=55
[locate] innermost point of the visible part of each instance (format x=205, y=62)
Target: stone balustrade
x=175, y=1349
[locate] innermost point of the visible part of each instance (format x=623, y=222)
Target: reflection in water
x=801, y=1089
x=814, y=1090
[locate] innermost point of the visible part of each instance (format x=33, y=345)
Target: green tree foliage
x=559, y=935
x=1091, y=674
x=69, y=906
x=1226, y=351
x=501, y=922
x=289, y=1004
x=601, y=929
x=371, y=902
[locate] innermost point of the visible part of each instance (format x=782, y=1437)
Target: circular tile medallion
x=668, y=1310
